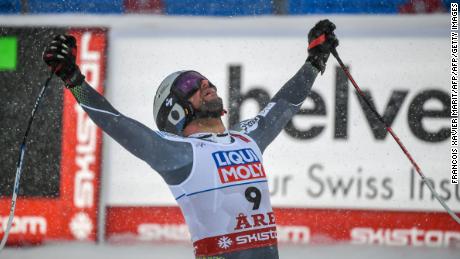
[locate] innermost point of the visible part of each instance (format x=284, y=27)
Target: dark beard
x=211, y=109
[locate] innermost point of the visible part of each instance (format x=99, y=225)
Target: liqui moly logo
x=238, y=165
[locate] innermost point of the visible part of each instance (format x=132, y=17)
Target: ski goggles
x=187, y=83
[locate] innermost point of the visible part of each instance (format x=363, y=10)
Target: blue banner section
x=218, y=7
x=10, y=6
x=367, y=6
x=75, y=6
x=344, y=6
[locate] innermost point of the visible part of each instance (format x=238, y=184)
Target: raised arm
x=287, y=101
x=171, y=157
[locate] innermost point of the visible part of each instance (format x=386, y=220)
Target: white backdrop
x=386, y=54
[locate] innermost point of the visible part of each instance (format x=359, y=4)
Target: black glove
x=59, y=55
x=321, y=40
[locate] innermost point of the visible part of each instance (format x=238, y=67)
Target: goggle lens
x=187, y=84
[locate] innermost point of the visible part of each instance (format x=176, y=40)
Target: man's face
x=206, y=98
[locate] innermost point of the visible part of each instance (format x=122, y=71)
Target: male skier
x=216, y=175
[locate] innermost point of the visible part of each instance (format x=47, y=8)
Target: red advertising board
x=73, y=214
x=300, y=226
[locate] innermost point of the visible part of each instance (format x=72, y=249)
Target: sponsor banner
x=334, y=153
x=334, y=173
x=72, y=214
x=238, y=165
x=34, y=221
x=81, y=163
x=298, y=226
x=235, y=241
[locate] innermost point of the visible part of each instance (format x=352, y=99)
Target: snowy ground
x=182, y=251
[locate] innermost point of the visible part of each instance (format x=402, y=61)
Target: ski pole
x=395, y=137
x=19, y=164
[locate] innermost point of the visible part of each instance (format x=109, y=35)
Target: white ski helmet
x=171, y=109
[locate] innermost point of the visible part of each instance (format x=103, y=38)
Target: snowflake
x=224, y=242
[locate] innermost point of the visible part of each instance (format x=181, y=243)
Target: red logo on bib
x=238, y=165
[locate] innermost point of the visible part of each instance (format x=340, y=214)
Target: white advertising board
x=350, y=162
